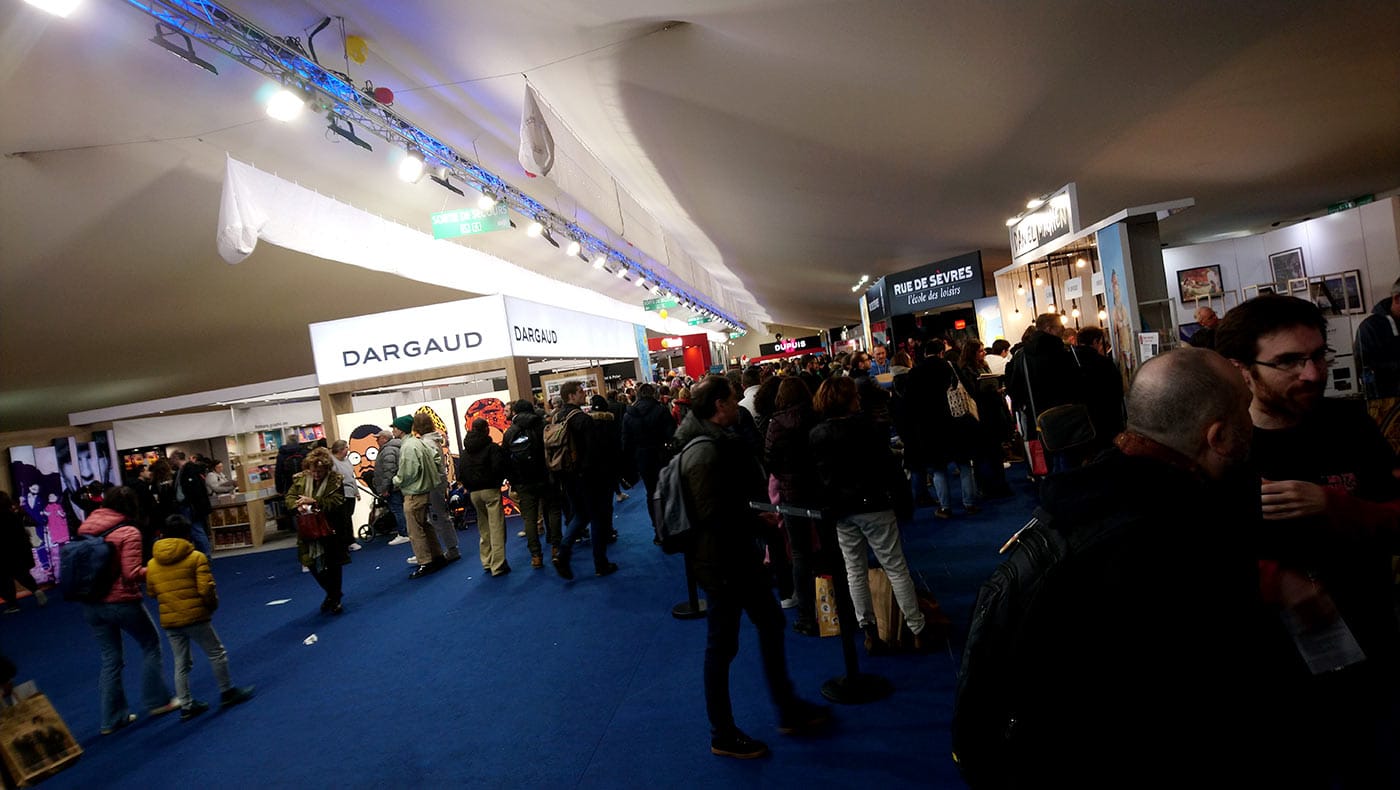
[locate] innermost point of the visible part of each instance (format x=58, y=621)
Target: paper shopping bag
x=34, y=741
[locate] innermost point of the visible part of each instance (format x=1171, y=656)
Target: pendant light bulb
x=1074, y=313
x=1081, y=263
x=1039, y=281
x=1020, y=290
x=1103, y=315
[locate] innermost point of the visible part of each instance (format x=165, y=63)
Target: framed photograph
x=1288, y=265
x=590, y=378
x=1353, y=299
x=1298, y=287
x=1202, y=282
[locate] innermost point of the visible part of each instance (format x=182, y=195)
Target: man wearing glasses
x=1325, y=547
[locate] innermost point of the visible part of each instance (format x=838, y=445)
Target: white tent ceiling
x=784, y=147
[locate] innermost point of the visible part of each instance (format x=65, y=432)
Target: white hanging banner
x=536, y=143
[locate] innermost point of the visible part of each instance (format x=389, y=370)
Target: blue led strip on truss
x=270, y=55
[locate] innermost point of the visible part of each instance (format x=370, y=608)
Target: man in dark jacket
x=1103, y=386
x=646, y=430
x=588, y=493
x=722, y=476
x=535, y=492
x=1378, y=347
x=481, y=468
x=606, y=469
x=193, y=497
x=1147, y=555
x=1043, y=375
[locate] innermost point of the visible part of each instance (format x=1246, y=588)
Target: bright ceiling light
x=486, y=202
x=621, y=272
x=1074, y=313
x=1034, y=203
x=641, y=283
x=1039, y=281
x=1103, y=315
x=599, y=260
x=411, y=167
x=534, y=230
x=573, y=248
x=1012, y=221
x=1020, y=289
x=1081, y=263
x=285, y=105
x=55, y=7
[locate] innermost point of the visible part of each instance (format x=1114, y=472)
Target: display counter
x=239, y=520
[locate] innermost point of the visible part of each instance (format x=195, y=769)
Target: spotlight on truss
x=162, y=39
x=347, y=131
x=439, y=177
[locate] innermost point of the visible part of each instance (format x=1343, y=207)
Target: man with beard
x=1325, y=548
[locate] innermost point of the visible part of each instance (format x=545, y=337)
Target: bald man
x=1205, y=336
x=1140, y=639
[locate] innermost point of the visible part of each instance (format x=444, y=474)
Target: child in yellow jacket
x=178, y=577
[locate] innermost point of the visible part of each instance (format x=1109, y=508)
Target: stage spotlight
x=347, y=131
x=599, y=260
x=621, y=272
x=641, y=282
x=439, y=177
x=535, y=230
x=411, y=166
x=573, y=248
x=486, y=202
x=286, y=104
x=56, y=7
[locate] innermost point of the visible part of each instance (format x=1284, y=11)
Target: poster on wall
x=590, y=378
x=44, y=502
x=1121, y=299
x=494, y=408
x=361, y=430
x=440, y=411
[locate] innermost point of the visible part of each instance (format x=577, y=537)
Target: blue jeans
x=202, y=634
x=199, y=533
x=969, y=485
x=108, y=621
x=590, y=502
x=396, y=508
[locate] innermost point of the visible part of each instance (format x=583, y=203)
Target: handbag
x=960, y=403
x=313, y=525
x=34, y=740
x=1035, y=456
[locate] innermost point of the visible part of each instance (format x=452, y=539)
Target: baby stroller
x=381, y=520
x=459, y=507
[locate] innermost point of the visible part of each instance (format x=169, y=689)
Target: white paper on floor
x=278, y=602
x=310, y=640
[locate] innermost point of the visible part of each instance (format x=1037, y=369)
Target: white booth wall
x=1366, y=238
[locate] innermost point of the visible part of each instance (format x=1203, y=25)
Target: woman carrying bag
x=314, y=493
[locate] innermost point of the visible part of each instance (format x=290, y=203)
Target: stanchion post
x=854, y=687
x=692, y=608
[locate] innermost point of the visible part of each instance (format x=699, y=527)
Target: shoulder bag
x=1061, y=427
x=313, y=525
x=959, y=402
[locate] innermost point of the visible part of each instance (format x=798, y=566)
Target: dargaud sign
x=455, y=333
x=953, y=281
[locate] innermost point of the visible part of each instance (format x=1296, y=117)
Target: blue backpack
x=88, y=567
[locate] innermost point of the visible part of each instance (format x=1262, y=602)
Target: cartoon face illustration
x=364, y=448
x=493, y=411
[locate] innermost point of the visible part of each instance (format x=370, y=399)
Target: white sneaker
x=399, y=540
x=412, y=560
x=520, y=534
x=790, y=603
x=355, y=547
x=305, y=569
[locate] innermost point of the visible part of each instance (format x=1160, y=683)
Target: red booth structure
x=694, y=348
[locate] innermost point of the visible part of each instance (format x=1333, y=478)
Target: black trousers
x=726, y=604
x=330, y=580
x=10, y=593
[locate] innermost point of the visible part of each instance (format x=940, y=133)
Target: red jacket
x=127, y=541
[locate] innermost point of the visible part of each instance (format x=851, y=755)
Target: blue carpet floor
x=519, y=681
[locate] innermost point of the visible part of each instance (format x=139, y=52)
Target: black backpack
x=674, y=527
x=985, y=710
x=526, y=456
x=89, y=567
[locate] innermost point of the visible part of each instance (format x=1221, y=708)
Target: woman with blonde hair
x=318, y=488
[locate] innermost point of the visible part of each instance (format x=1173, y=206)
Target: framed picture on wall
x=1287, y=265
x=1326, y=293
x=1202, y=282
x=590, y=378
x=1353, y=299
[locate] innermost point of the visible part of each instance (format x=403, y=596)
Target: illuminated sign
x=953, y=281
x=790, y=344
x=959, y=324
x=1056, y=218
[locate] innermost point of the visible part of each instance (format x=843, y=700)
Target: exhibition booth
x=691, y=351
x=1108, y=274
x=938, y=299
x=787, y=348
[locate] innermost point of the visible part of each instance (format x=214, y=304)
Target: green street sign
x=700, y=319
x=467, y=221
x=736, y=335
x=659, y=304
x=1349, y=204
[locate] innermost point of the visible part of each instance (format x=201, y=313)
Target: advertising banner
x=790, y=344
x=951, y=281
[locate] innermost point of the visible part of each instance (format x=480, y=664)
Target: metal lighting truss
x=270, y=55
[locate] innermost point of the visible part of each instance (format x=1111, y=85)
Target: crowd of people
x=1224, y=506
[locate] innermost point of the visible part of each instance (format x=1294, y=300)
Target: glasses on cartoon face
x=1294, y=363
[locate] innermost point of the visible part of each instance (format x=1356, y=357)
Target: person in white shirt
x=998, y=355
x=217, y=482
x=751, y=379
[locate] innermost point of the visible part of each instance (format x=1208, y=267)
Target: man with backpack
x=647, y=429
x=1118, y=643
x=721, y=475
x=193, y=497
x=570, y=454
x=537, y=494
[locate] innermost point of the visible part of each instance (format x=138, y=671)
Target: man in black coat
x=721, y=476
x=585, y=485
x=647, y=429
x=1043, y=375
x=193, y=497
x=1378, y=347
x=535, y=491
